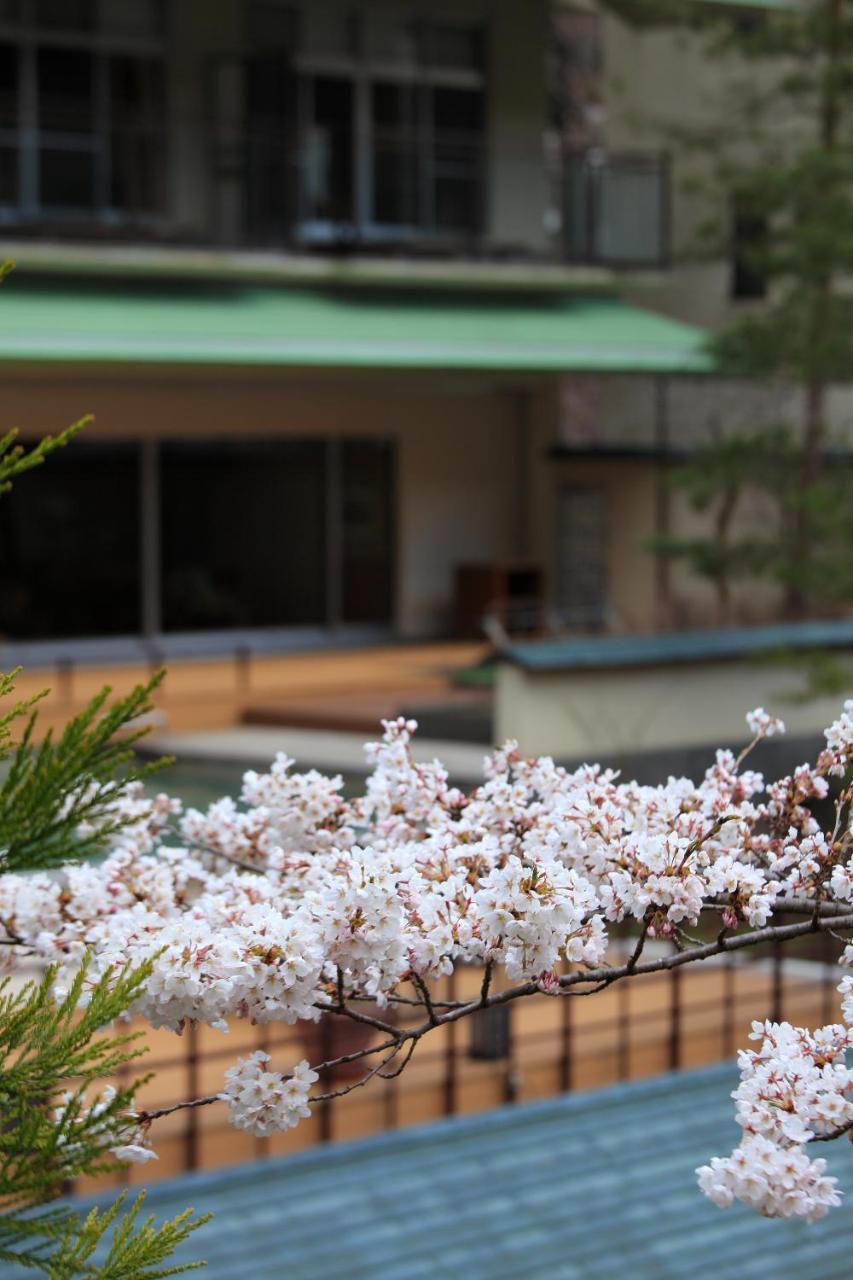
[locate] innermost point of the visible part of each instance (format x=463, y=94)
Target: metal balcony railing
x=511, y=1053
x=616, y=209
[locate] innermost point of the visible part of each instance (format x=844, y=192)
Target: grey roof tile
x=581, y=1187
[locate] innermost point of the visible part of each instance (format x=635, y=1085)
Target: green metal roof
x=371, y=329
x=591, y=1186
x=668, y=647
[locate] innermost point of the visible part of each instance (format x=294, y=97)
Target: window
x=70, y=563
x=581, y=557
x=308, y=537
x=382, y=132
x=82, y=110
x=749, y=238
x=617, y=209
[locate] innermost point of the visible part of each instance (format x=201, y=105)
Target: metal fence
x=513, y=1053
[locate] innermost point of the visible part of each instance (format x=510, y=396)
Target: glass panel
x=458, y=112
x=395, y=163
x=457, y=158
x=367, y=484
x=138, y=143
x=8, y=175
x=8, y=86
x=272, y=26
x=328, y=150
x=66, y=178
x=631, y=213
x=581, y=557
x=272, y=150
x=65, y=90
x=137, y=93
x=140, y=18
x=391, y=37
x=66, y=15
x=70, y=563
x=328, y=29
x=243, y=535
x=452, y=47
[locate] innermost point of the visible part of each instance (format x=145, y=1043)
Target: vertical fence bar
x=262, y=1040
x=192, y=1091
x=829, y=977
x=623, y=1031
x=449, y=1088
x=511, y=1081
x=675, y=1018
x=777, y=1000
x=729, y=1004
x=567, y=1074
x=390, y=1114
x=326, y=1050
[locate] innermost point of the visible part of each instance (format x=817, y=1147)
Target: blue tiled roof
x=677, y=646
x=592, y=1186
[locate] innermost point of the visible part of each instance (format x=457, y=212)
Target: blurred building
x=373, y=303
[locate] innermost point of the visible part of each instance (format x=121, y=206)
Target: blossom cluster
x=294, y=899
x=263, y=1102
x=794, y=1088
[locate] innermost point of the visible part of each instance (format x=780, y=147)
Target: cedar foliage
x=56, y=798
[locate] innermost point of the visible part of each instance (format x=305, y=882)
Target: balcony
x=616, y=209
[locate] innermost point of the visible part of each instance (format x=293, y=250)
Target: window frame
x=28, y=139
x=364, y=72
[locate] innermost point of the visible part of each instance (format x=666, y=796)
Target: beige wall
x=454, y=450
x=590, y=714
x=517, y=189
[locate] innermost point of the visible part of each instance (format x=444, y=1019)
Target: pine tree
x=59, y=1120
x=784, y=162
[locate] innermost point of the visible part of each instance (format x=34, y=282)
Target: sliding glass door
x=243, y=535
x=199, y=536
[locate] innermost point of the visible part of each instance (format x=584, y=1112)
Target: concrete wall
x=660, y=85
x=454, y=439
x=517, y=189
x=592, y=715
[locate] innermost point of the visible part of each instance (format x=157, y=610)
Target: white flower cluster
x=778, y=1182
x=796, y=1087
x=282, y=905
x=262, y=1102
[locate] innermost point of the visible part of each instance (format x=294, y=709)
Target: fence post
x=326, y=1050
x=192, y=1091
x=623, y=1031
x=729, y=1006
x=450, y=1055
x=566, y=1046
x=778, y=997
x=675, y=1018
